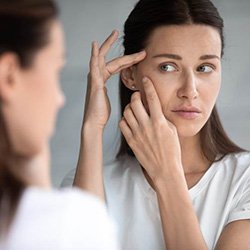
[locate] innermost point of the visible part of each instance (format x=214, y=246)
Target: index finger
x=119, y=63
x=108, y=43
x=153, y=100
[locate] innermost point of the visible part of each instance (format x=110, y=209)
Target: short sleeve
x=242, y=209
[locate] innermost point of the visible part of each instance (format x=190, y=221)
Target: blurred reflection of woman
x=32, y=214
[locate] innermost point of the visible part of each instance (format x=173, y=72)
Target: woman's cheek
x=164, y=83
x=210, y=92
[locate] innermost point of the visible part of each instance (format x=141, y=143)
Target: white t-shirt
x=60, y=220
x=221, y=196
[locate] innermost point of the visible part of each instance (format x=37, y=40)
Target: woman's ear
x=9, y=67
x=127, y=77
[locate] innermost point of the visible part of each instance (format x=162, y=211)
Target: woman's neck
x=193, y=159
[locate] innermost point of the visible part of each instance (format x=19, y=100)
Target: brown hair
x=24, y=29
x=147, y=16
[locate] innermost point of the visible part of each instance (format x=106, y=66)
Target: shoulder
x=233, y=169
x=239, y=162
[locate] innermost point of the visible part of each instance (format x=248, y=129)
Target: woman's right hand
x=97, y=105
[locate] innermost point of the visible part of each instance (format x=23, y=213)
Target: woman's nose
x=188, y=89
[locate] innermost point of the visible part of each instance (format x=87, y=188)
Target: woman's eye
x=205, y=69
x=167, y=68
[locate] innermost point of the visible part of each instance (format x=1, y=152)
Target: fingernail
x=114, y=31
x=141, y=52
x=144, y=79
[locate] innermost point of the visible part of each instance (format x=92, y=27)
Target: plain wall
x=88, y=20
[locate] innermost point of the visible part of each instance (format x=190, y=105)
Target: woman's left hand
x=153, y=139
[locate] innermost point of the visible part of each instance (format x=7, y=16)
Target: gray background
x=87, y=20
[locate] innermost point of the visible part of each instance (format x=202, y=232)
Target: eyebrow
x=172, y=56
x=206, y=57
x=177, y=57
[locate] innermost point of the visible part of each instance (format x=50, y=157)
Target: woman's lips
x=188, y=112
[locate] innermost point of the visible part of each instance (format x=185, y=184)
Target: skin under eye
x=205, y=68
x=168, y=68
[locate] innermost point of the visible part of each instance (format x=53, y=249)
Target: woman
x=32, y=214
x=178, y=182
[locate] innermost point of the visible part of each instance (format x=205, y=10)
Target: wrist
x=90, y=130
x=170, y=181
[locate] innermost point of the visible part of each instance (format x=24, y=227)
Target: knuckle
x=151, y=96
x=143, y=134
x=137, y=134
x=127, y=106
x=126, y=112
x=120, y=61
x=159, y=123
x=134, y=103
x=143, y=127
x=101, y=54
x=135, y=96
x=126, y=109
x=121, y=123
x=131, y=142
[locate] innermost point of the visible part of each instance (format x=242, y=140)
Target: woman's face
x=38, y=97
x=184, y=64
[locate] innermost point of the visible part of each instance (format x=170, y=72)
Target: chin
x=30, y=148
x=190, y=130
x=29, y=151
x=187, y=128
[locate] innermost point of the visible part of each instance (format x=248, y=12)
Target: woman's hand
x=153, y=139
x=97, y=105
x=97, y=110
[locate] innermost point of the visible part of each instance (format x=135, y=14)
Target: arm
x=89, y=167
x=235, y=236
x=179, y=221
x=97, y=111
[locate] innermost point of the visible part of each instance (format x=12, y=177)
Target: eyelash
x=208, y=65
x=176, y=67
x=168, y=64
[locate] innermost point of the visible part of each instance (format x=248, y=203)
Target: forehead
x=56, y=37
x=185, y=39
x=53, y=52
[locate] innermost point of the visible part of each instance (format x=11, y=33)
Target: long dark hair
x=147, y=16
x=24, y=29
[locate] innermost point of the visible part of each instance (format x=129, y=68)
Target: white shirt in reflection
x=68, y=219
